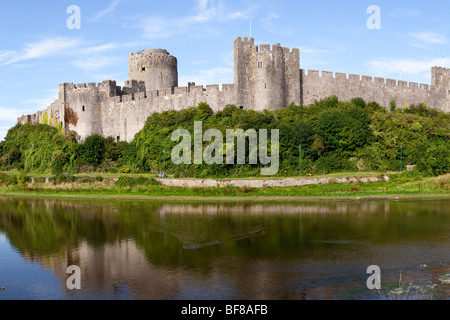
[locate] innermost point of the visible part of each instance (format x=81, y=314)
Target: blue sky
x=38, y=51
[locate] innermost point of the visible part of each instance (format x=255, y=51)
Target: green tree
x=359, y=102
x=329, y=127
x=93, y=149
x=356, y=130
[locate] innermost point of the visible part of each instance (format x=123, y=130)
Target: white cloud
x=40, y=103
x=96, y=63
x=207, y=77
x=310, y=57
x=11, y=114
x=157, y=27
x=215, y=75
x=419, y=69
x=100, y=48
x=58, y=46
x=270, y=24
x=45, y=48
x=88, y=57
x=228, y=58
x=270, y=17
x=106, y=11
x=7, y=56
x=430, y=37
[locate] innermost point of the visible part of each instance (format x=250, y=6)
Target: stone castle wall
x=316, y=86
x=112, y=111
x=124, y=116
x=265, y=77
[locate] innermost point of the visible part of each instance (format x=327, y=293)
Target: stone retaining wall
x=291, y=182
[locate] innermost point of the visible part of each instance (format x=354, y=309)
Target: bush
x=93, y=149
x=334, y=162
x=8, y=180
x=84, y=180
x=329, y=128
x=393, y=106
x=359, y=102
x=436, y=160
x=59, y=179
x=23, y=178
x=133, y=182
x=39, y=180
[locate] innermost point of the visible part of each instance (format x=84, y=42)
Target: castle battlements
x=365, y=79
x=179, y=92
x=265, y=77
x=89, y=86
x=277, y=50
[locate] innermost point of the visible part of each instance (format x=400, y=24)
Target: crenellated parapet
x=318, y=85
x=358, y=79
x=178, y=92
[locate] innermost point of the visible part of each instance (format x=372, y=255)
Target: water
x=173, y=251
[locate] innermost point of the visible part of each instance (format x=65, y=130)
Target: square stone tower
x=265, y=77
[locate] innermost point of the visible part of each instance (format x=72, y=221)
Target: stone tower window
x=143, y=69
x=260, y=65
x=84, y=109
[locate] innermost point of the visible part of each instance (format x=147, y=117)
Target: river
x=215, y=251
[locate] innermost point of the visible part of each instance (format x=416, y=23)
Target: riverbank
x=394, y=187
x=221, y=199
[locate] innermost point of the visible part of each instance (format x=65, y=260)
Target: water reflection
x=139, y=250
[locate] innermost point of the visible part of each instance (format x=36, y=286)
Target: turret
x=243, y=70
x=156, y=67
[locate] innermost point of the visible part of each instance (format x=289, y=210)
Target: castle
x=265, y=77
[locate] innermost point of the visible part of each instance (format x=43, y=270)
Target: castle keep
x=265, y=77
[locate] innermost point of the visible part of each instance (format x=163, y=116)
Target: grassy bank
x=146, y=188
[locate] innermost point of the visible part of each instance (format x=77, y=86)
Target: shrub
x=393, y=106
x=39, y=180
x=61, y=178
x=133, y=182
x=436, y=160
x=94, y=149
x=9, y=180
x=22, y=179
x=359, y=102
x=334, y=162
x=84, y=180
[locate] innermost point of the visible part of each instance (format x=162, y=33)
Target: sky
x=42, y=45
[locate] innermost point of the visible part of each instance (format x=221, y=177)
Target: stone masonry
x=265, y=77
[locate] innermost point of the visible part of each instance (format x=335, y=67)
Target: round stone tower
x=156, y=67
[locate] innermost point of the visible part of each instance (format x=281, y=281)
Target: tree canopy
x=334, y=136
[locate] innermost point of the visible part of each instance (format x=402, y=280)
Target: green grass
x=402, y=186
x=153, y=175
